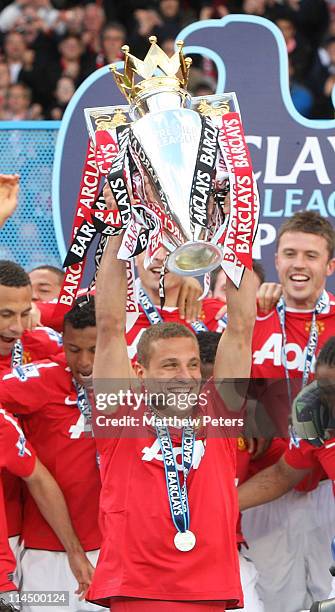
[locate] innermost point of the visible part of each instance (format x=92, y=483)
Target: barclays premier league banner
x=292, y=157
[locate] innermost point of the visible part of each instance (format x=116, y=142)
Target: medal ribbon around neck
x=84, y=405
x=17, y=354
x=178, y=498
x=320, y=307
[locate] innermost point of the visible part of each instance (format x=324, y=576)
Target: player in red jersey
x=286, y=342
x=51, y=398
x=310, y=455
x=143, y=555
x=304, y=260
x=18, y=456
x=18, y=346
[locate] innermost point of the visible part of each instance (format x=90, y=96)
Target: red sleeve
x=26, y=389
x=269, y=457
x=16, y=454
x=41, y=343
x=51, y=316
x=301, y=458
x=210, y=307
x=295, y=458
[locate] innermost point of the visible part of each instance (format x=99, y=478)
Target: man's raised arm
x=111, y=357
x=233, y=358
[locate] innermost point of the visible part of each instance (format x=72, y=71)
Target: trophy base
x=194, y=258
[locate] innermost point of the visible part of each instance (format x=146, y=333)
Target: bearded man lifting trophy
x=191, y=152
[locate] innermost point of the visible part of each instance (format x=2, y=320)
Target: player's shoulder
x=41, y=336
x=9, y=425
x=263, y=318
x=55, y=369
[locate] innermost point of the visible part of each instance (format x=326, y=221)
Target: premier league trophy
x=170, y=161
x=181, y=147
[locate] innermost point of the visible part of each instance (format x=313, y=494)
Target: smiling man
x=304, y=260
x=51, y=398
x=167, y=545
x=286, y=343
x=18, y=346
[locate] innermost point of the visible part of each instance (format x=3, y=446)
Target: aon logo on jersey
x=273, y=350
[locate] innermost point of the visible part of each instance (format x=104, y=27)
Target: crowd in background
x=49, y=47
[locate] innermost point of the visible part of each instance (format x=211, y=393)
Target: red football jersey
x=44, y=396
x=307, y=456
x=267, y=341
x=138, y=322
x=38, y=344
x=50, y=315
x=19, y=458
x=138, y=557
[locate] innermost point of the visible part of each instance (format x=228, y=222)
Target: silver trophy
x=174, y=142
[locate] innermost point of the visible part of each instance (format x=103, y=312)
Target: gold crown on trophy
x=155, y=58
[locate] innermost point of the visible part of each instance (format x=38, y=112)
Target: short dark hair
x=160, y=331
x=208, y=344
x=82, y=314
x=13, y=275
x=327, y=354
x=114, y=25
x=60, y=273
x=310, y=222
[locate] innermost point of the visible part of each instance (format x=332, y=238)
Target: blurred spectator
x=53, y=45
x=72, y=61
x=322, y=79
x=256, y=7
x=14, y=49
x=64, y=91
x=204, y=88
x=171, y=20
x=19, y=106
x=73, y=20
x=4, y=84
x=298, y=50
x=217, y=8
x=10, y=14
x=302, y=97
x=93, y=22
x=112, y=39
x=311, y=18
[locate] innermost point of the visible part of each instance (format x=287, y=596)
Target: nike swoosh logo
x=69, y=402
